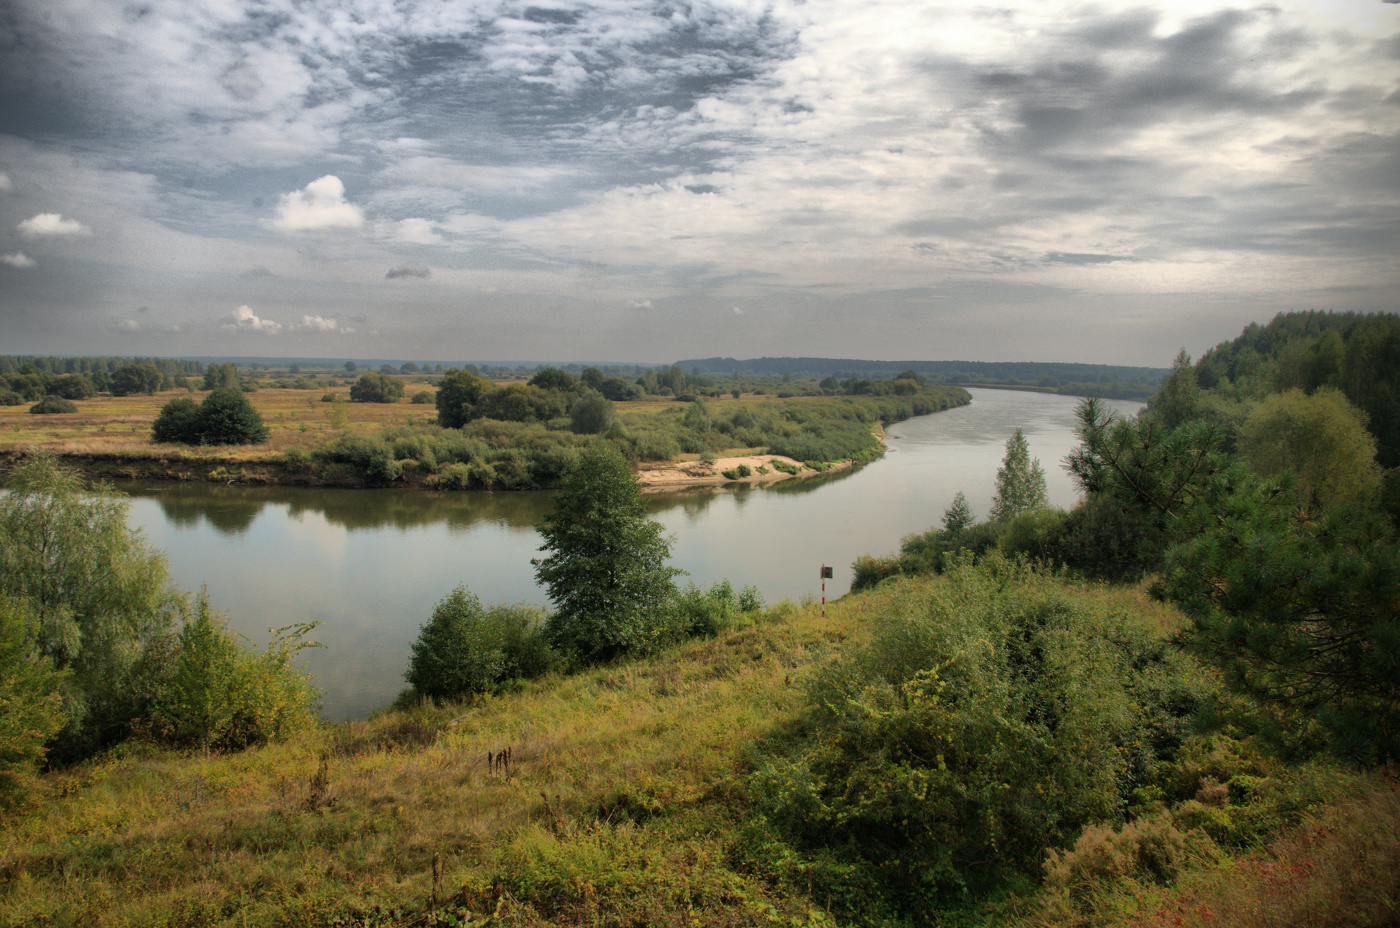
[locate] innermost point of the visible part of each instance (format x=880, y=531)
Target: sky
x=651, y=180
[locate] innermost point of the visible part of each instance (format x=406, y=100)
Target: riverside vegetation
x=987, y=732
x=460, y=430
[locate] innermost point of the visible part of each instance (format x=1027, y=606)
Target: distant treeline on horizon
x=1029, y=372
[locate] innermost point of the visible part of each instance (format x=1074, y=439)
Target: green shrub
x=422, y=398
x=224, y=418
x=996, y=714
x=29, y=692
x=178, y=422
x=464, y=649
x=53, y=404
x=1037, y=535
x=376, y=388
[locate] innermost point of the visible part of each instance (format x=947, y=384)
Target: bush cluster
x=995, y=715
x=225, y=417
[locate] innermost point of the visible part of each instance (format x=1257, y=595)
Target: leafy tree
x=619, y=390
x=72, y=387
x=958, y=516
x=136, y=378
x=178, y=422
x=457, y=396
x=552, y=378
x=458, y=653
x=606, y=572
x=1322, y=438
x=1178, y=399
x=350, y=366
x=99, y=595
x=31, y=707
x=408, y=368
x=1020, y=482
x=224, y=418
x=221, y=375
x=51, y=405
x=376, y=388
x=592, y=414
x=592, y=378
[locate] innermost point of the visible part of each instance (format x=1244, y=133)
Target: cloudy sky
x=647, y=180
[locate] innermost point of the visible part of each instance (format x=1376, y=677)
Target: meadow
x=623, y=795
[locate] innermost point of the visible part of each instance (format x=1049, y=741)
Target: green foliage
x=99, y=595
x=1037, y=535
x=52, y=404
x=1298, y=610
x=178, y=422
x=422, y=398
x=31, y=708
x=958, y=516
x=376, y=388
x=225, y=417
x=224, y=375
x=606, y=571
x=1322, y=438
x=457, y=396
x=1020, y=483
x=136, y=378
x=552, y=378
x=996, y=713
x=464, y=649
x=592, y=414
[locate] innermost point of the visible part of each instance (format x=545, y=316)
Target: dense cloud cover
x=648, y=179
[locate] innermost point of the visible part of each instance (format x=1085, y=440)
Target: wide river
x=371, y=564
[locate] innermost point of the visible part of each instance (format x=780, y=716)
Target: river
x=371, y=564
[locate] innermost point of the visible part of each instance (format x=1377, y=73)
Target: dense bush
x=592, y=414
x=52, y=404
x=465, y=649
x=422, y=398
x=996, y=713
x=224, y=418
x=214, y=693
x=376, y=388
x=29, y=694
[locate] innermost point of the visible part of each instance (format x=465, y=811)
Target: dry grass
x=1339, y=870
x=603, y=765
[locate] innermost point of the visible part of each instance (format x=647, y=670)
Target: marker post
x=826, y=575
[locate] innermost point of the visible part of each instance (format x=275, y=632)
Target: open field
x=110, y=436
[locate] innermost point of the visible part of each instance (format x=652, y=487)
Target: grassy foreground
x=617, y=797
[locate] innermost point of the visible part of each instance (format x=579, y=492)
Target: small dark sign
x=826, y=572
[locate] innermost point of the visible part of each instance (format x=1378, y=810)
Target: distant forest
x=1073, y=379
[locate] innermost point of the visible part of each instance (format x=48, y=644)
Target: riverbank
x=318, y=442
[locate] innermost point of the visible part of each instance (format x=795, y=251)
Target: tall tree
x=1020, y=482
x=606, y=571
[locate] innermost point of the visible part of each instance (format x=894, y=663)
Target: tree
x=606, y=572
x=458, y=652
x=350, y=366
x=99, y=595
x=136, y=378
x=591, y=414
x=178, y=422
x=1020, y=482
x=224, y=418
x=552, y=378
x=1322, y=438
x=221, y=375
x=958, y=516
x=376, y=388
x=30, y=698
x=457, y=396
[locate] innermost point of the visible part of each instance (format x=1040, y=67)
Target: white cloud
x=738, y=310
x=51, y=225
x=320, y=206
x=417, y=232
x=5, y=182
x=18, y=259
x=639, y=304
x=321, y=324
x=243, y=319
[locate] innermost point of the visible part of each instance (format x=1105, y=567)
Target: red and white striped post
x=826, y=575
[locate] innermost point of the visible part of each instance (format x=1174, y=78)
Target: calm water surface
x=371, y=564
